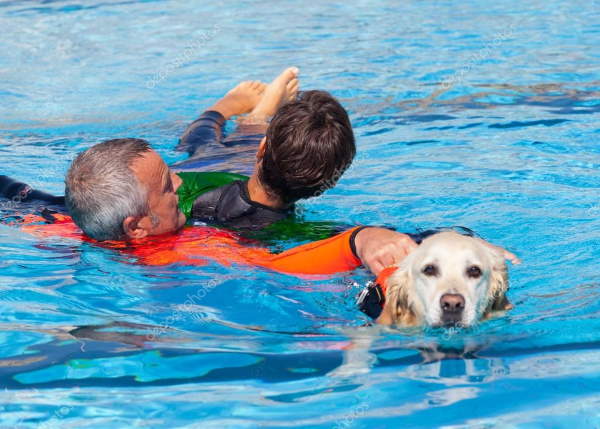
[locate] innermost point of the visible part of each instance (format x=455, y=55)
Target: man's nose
x=452, y=303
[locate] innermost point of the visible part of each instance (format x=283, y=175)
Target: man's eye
x=474, y=272
x=430, y=270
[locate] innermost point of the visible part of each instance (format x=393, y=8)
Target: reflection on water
x=558, y=98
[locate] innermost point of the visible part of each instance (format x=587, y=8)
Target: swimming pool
x=482, y=114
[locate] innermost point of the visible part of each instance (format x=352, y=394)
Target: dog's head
x=449, y=280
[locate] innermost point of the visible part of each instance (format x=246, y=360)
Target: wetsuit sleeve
x=247, y=134
x=329, y=256
x=20, y=192
x=207, y=129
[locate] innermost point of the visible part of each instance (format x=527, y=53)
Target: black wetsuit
x=20, y=192
x=231, y=206
x=210, y=150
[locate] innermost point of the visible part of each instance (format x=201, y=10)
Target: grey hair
x=101, y=190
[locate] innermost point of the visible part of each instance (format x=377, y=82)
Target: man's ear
x=261, y=149
x=136, y=228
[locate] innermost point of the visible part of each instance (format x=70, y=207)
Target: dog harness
x=372, y=298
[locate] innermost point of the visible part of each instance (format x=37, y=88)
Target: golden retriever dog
x=449, y=280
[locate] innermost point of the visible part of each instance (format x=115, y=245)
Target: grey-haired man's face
x=163, y=202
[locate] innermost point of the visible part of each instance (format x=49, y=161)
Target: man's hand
x=379, y=248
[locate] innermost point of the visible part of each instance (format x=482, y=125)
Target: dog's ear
x=498, y=284
x=397, y=310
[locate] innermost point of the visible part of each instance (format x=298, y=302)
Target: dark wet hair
x=309, y=145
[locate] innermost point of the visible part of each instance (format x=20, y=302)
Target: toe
x=291, y=73
x=245, y=84
x=262, y=86
x=288, y=74
x=258, y=86
x=292, y=88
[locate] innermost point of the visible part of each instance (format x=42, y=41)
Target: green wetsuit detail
x=291, y=229
x=197, y=183
x=294, y=229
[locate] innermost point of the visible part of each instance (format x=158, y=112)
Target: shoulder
x=208, y=205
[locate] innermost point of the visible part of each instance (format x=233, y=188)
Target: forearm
x=329, y=256
x=21, y=192
x=375, y=248
x=207, y=129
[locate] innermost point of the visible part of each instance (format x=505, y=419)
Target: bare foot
x=241, y=99
x=282, y=90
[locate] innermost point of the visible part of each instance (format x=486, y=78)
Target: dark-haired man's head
x=309, y=144
x=121, y=189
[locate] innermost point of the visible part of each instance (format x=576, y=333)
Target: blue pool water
x=475, y=113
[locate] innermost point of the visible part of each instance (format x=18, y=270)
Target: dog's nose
x=452, y=303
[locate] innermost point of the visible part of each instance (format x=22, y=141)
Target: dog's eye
x=430, y=270
x=474, y=272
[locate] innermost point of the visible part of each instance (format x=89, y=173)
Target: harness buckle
x=370, y=300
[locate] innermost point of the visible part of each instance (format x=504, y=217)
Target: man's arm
x=20, y=192
x=205, y=130
x=375, y=248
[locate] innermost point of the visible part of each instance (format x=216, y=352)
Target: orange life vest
x=196, y=245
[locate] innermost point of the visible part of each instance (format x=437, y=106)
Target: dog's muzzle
x=452, y=306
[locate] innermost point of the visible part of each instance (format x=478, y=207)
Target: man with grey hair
x=122, y=189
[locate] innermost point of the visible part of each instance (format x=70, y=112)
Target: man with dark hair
x=302, y=152
x=308, y=146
